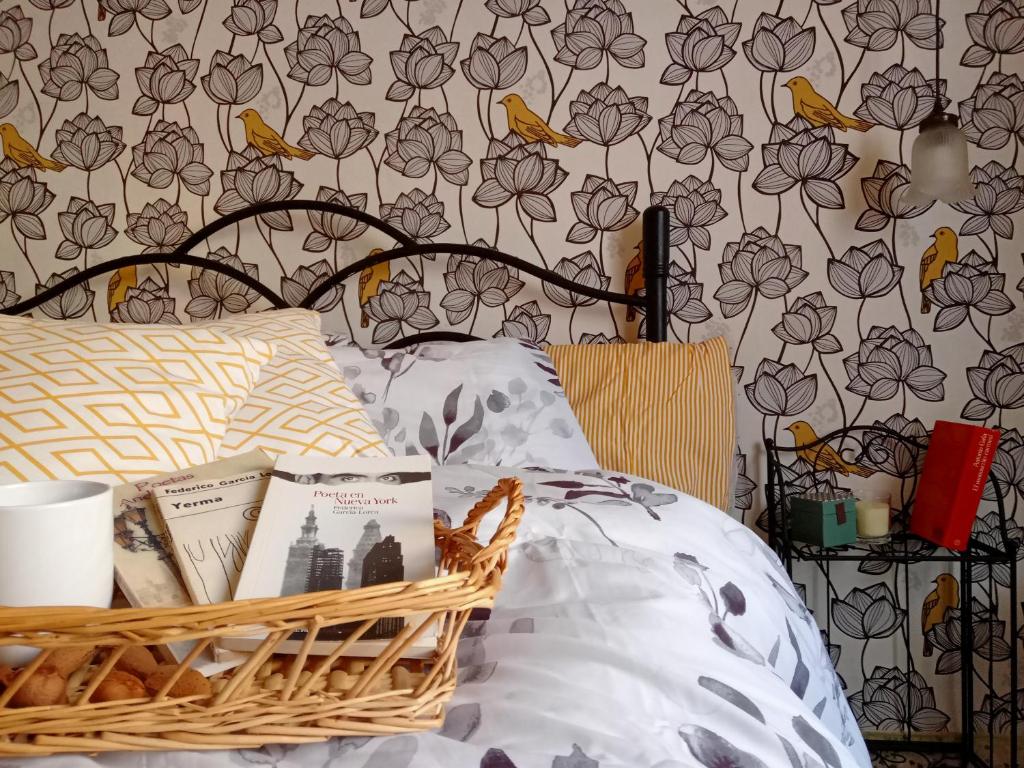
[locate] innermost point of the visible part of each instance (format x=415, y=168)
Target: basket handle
x=510, y=488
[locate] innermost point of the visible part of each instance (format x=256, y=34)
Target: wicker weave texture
x=314, y=698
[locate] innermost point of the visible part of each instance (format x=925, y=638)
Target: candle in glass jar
x=873, y=517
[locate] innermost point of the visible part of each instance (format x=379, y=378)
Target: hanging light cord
x=938, y=33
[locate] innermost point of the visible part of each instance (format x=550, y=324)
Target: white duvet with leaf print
x=637, y=628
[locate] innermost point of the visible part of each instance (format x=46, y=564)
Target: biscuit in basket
x=67, y=660
x=45, y=687
x=118, y=686
x=191, y=682
x=138, y=661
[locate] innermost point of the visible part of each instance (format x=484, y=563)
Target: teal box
x=824, y=519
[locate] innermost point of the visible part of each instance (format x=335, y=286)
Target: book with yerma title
x=211, y=523
x=342, y=523
x=144, y=562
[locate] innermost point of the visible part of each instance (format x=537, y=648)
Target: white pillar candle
x=872, y=518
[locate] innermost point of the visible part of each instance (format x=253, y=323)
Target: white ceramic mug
x=56, y=548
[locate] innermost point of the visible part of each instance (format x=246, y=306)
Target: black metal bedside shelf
x=903, y=548
x=988, y=565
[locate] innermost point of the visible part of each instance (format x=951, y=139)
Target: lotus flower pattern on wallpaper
x=778, y=134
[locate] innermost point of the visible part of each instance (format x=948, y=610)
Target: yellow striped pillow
x=662, y=411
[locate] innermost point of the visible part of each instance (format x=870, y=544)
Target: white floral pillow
x=496, y=402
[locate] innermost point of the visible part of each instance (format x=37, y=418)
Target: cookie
x=191, y=683
x=119, y=685
x=138, y=661
x=67, y=660
x=44, y=688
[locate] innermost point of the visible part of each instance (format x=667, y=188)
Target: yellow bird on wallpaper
x=23, y=153
x=369, y=285
x=267, y=140
x=823, y=457
x=818, y=110
x=120, y=282
x=943, y=251
x=530, y=126
x=945, y=596
x=635, y=278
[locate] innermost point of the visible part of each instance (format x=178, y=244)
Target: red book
x=956, y=467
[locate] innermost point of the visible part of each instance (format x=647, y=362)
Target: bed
x=637, y=626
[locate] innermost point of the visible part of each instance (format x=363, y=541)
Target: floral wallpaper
x=778, y=134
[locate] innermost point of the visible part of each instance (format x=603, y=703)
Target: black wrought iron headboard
x=652, y=301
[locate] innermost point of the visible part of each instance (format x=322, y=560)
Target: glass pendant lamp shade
x=938, y=163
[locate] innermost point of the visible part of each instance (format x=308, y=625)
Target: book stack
x=254, y=527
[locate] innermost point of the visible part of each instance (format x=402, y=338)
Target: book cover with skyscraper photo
x=345, y=523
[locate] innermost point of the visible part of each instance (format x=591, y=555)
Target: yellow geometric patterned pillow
x=295, y=332
x=117, y=403
x=301, y=403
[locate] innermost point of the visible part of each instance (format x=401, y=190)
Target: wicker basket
x=241, y=713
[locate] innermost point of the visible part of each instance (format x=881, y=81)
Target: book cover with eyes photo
x=341, y=524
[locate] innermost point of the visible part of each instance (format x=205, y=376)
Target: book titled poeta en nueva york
x=342, y=523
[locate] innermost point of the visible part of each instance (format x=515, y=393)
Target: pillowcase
x=301, y=403
x=663, y=411
x=117, y=403
x=496, y=402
